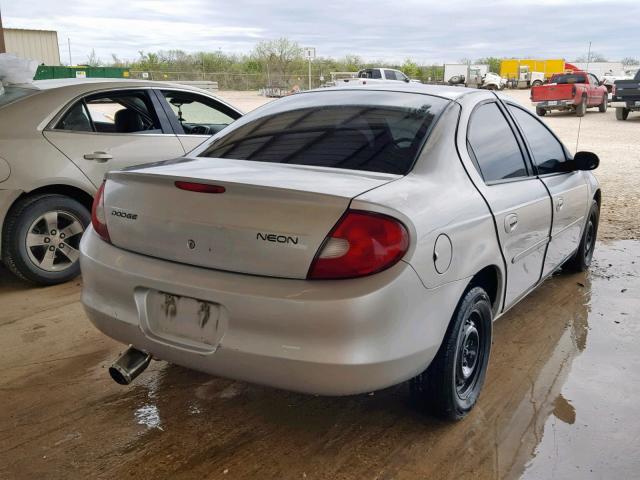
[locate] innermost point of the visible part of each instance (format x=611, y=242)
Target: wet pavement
x=560, y=400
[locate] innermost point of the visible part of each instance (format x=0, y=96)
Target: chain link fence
x=261, y=81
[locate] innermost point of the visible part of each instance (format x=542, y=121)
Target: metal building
x=39, y=45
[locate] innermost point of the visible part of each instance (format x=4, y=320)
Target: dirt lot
x=560, y=401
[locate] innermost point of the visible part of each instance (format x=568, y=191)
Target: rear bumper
x=555, y=104
x=630, y=105
x=321, y=337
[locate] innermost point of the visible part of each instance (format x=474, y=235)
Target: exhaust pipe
x=129, y=365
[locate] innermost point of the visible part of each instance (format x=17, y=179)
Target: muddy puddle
x=560, y=401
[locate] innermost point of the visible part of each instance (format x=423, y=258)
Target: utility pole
x=69, y=47
x=2, y=46
x=310, y=53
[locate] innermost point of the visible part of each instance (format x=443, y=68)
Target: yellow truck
x=527, y=72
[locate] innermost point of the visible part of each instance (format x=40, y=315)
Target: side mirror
x=586, y=161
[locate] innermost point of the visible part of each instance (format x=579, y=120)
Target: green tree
x=278, y=56
x=411, y=69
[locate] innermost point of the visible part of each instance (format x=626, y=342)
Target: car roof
x=88, y=82
x=444, y=91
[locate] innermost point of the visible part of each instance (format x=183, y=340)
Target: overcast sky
x=426, y=31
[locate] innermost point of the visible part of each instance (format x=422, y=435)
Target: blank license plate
x=552, y=103
x=183, y=320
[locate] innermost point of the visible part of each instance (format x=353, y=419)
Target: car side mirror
x=586, y=161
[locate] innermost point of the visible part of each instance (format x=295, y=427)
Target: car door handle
x=510, y=222
x=559, y=204
x=98, y=156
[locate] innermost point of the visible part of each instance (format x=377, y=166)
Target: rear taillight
x=613, y=89
x=361, y=243
x=99, y=216
x=573, y=91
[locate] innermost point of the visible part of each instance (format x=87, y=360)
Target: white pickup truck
x=370, y=75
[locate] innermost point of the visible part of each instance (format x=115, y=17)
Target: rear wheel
x=581, y=260
x=605, y=103
x=451, y=385
x=41, y=238
x=536, y=83
x=541, y=111
x=622, y=113
x=581, y=109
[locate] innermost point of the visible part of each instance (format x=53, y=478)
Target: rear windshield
x=376, y=131
x=11, y=94
x=569, y=78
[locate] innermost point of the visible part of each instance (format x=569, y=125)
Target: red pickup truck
x=575, y=91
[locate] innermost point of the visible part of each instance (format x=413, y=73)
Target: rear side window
x=390, y=75
x=548, y=153
x=360, y=130
x=76, y=120
x=112, y=112
x=493, y=145
x=568, y=78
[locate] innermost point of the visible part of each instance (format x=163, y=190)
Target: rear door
x=568, y=189
x=112, y=130
x=518, y=200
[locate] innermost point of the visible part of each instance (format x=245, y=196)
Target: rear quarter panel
x=438, y=198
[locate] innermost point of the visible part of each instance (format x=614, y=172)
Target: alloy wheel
x=53, y=241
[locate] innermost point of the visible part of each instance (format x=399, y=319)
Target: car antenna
x=587, y=72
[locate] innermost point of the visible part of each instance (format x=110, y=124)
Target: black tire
x=541, y=111
x=622, y=113
x=581, y=108
x=23, y=221
x=605, y=103
x=581, y=260
x=536, y=83
x=443, y=388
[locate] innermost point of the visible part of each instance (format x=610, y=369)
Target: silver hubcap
x=470, y=346
x=53, y=239
x=470, y=356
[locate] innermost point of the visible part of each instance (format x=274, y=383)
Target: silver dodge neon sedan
x=341, y=241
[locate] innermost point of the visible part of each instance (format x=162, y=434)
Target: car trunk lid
x=270, y=220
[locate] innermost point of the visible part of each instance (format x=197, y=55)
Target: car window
x=390, y=75
x=76, y=119
x=594, y=79
x=568, y=78
x=199, y=115
x=548, y=152
x=401, y=76
x=494, y=146
x=359, y=130
x=112, y=112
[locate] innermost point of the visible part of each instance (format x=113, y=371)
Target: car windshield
x=568, y=78
x=11, y=94
x=376, y=131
